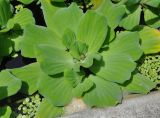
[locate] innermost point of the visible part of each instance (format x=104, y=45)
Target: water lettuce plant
x=79, y=54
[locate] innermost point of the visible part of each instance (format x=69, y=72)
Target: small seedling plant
x=93, y=50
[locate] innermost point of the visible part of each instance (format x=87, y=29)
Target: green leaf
x=5, y=45
x=150, y=38
x=128, y=43
x=132, y=19
x=5, y=112
x=118, y=61
x=49, y=8
x=22, y=18
x=114, y=67
x=151, y=18
x=103, y=94
x=48, y=110
x=59, y=25
x=26, y=1
x=152, y=3
x=35, y=35
x=30, y=82
x=82, y=87
x=5, y=12
x=90, y=32
x=53, y=60
x=57, y=90
x=9, y=83
x=138, y=84
x=113, y=13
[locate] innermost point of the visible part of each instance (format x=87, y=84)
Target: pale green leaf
x=138, y=84
x=150, y=38
x=113, y=13
x=115, y=67
x=57, y=90
x=22, y=18
x=48, y=110
x=35, y=35
x=132, y=19
x=72, y=15
x=152, y=3
x=26, y=1
x=152, y=19
x=30, y=76
x=9, y=83
x=49, y=8
x=92, y=30
x=128, y=43
x=5, y=112
x=103, y=94
x=53, y=60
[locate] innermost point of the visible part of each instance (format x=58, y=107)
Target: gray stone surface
x=147, y=106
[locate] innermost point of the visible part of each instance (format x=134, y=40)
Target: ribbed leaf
x=128, y=43
x=23, y=17
x=59, y=25
x=92, y=30
x=30, y=82
x=5, y=112
x=118, y=61
x=57, y=90
x=5, y=12
x=139, y=84
x=26, y=1
x=5, y=45
x=53, y=60
x=35, y=35
x=103, y=94
x=132, y=19
x=150, y=38
x=113, y=13
x=48, y=110
x=49, y=8
x=151, y=18
x=114, y=67
x=9, y=83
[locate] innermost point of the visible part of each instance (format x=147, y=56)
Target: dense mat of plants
x=52, y=51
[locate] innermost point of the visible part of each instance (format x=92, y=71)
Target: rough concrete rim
x=147, y=106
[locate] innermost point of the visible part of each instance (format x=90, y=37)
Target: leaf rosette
x=72, y=59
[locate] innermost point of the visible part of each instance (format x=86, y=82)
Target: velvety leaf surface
x=57, y=90
x=23, y=17
x=26, y=1
x=114, y=67
x=5, y=45
x=53, y=60
x=49, y=8
x=72, y=15
x=9, y=83
x=35, y=35
x=48, y=110
x=30, y=76
x=118, y=61
x=113, y=13
x=103, y=94
x=5, y=112
x=92, y=30
x=139, y=84
x=5, y=12
x=151, y=18
x=128, y=43
x=132, y=19
x=150, y=38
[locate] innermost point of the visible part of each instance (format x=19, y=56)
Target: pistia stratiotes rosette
x=73, y=62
